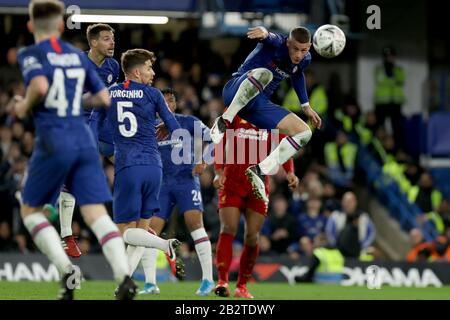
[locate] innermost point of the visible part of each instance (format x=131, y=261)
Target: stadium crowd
x=324, y=202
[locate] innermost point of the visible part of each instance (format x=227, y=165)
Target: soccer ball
x=329, y=41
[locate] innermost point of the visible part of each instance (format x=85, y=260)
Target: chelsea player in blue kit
x=55, y=74
x=137, y=162
x=247, y=94
x=181, y=187
x=101, y=42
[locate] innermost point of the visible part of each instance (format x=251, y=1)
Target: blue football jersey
x=132, y=116
x=272, y=53
x=68, y=71
x=109, y=73
x=177, y=152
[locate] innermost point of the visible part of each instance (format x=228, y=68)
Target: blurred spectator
x=282, y=224
x=428, y=199
x=389, y=94
x=6, y=139
x=350, y=230
x=27, y=144
x=425, y=195
x=312, y=222
x=340, y=159
x=349, y=117
x=316, y=92
x=10, y=73
x=265, y=246
x=17, y=131
x=421, y=251
x=329, y=199
x=6, y=241
x=326, y=263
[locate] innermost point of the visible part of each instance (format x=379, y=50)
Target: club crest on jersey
x=295, y=69
x=30, y=63
x=110, y=78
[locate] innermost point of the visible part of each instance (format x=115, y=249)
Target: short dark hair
x=93, y=30
x=134, y=57
x=170, y=91
x=300, y=34
x=44, y=9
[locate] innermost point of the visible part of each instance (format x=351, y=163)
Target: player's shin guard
x=47, y=240
x=66, y=207
x=288, y=147
x=247, y=263
x=142, y=238
x=204, y=252
x=224, y=254
x=112, y=244
x=257, y=80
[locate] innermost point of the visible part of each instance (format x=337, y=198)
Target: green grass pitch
x=103, y=290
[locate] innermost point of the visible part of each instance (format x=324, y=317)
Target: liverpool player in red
x=236, y=195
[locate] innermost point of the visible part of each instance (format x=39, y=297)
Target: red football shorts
x=237, y=192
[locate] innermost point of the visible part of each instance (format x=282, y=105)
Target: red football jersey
x=244, y=145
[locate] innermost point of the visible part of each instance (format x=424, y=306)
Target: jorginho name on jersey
x=132, y=117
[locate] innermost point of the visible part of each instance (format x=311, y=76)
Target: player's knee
x=229, y=229
x=302, y=137
x=251, y=238
x=26, y=210
x=263, y=75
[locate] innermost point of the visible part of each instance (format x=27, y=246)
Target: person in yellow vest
x=340, y=159
x=389, y=94
x=326, y=264
x=428, y=199
x=317, y=96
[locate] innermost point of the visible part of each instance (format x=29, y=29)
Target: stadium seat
x=438, y=139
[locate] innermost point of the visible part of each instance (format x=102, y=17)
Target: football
x=329, y=41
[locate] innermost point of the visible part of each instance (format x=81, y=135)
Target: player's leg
x=47, y=240
x=148, y=181
x=66, y=203
x=237, y=94
x=194, y=223
x=266, y=115
x=188, y=197
x=87, y=183
x=149, y=257
x=229, y=223
x=45, y=177
x=140, y=237
x=157, y=223
x=253, y=224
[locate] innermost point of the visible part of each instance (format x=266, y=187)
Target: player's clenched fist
x=292, y=180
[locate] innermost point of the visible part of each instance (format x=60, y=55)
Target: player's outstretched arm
x=36, y=91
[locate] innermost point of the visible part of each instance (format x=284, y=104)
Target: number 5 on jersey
x=122, y=115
